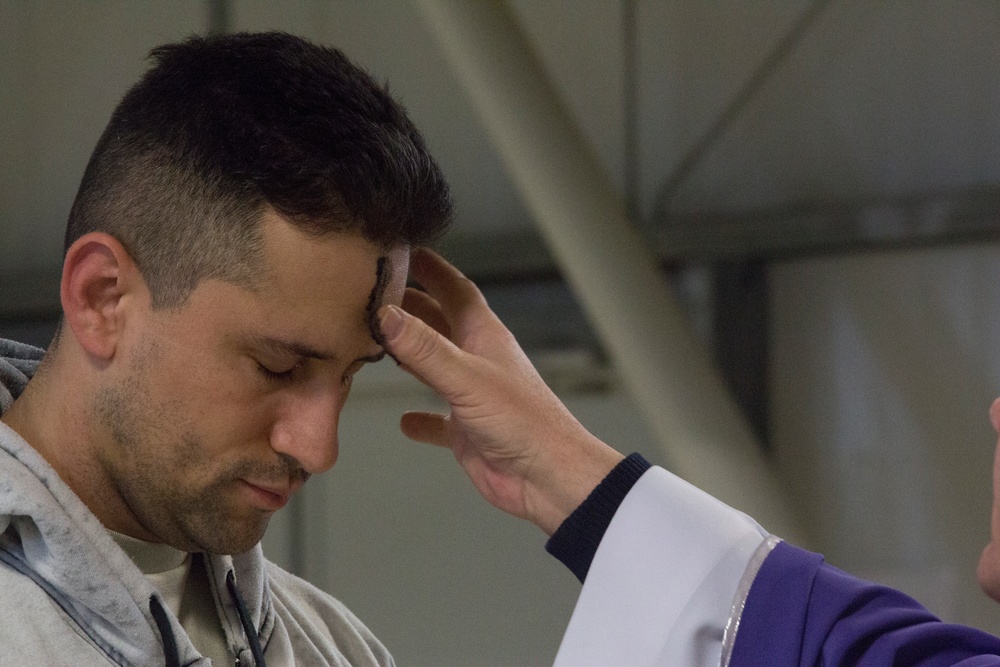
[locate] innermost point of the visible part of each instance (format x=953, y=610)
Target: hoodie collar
x=51, y=536
x=18, y=362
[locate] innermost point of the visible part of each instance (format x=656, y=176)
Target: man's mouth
x=267, y=496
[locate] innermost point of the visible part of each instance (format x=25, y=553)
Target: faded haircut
x=221, y=128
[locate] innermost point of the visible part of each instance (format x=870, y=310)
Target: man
x=250, y=206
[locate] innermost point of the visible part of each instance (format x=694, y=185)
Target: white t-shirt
x=182, y=581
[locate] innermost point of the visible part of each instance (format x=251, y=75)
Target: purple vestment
x=801, y=611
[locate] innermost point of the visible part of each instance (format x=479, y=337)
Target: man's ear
x=99, y=282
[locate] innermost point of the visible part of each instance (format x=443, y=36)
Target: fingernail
x=391, y=322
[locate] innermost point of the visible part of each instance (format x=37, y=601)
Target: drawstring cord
x=170, y=653
x=248, y=628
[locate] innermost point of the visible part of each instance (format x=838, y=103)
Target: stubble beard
x=151, y=461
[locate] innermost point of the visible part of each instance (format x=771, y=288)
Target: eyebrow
x=303, y=350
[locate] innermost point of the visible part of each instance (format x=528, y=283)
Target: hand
x=520, y=446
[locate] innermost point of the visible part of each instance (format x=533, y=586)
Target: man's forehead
x=335, y=256
x=341, y=278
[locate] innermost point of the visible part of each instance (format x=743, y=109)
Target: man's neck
x=53, y=417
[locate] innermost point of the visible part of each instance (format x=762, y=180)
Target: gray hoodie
x=70, y=596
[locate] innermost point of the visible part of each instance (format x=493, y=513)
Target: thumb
x=424, y=353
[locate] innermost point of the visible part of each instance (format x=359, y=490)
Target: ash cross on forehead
x=383, y=273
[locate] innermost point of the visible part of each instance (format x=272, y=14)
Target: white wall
x=63, y=68
x=884, y=366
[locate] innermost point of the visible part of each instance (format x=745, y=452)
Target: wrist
x=567, y=480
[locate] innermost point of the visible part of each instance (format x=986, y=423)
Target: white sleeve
x=665, y=579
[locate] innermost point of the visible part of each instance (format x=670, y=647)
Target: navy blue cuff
x=576, y=540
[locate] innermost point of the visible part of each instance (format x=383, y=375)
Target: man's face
x=215, y=413
x=989, y=562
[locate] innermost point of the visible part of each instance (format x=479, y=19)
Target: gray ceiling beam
x=797, y=231
x=218, y=14
x=832, y=227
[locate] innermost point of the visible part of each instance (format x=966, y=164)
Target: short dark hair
x=222, y=127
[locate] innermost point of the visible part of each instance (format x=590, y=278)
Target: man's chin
x=234, y=545
x=235, y=538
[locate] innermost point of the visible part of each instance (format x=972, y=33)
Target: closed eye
x=277, y=376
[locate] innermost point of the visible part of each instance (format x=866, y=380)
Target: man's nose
x=306, y=429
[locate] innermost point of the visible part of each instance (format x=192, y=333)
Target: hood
x=50, y=536
x=18, y=362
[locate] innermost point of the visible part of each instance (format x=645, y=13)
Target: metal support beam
x=829, y=227
x=218, y=14
x=807, y=229
x=611, y=269
x=739, y=336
